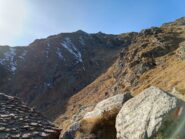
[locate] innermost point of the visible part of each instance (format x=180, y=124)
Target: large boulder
x=109, y=104
x=151, y=113
x=101, y=118
x=100, y=123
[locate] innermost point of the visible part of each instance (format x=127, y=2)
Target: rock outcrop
x=152, y=112
x=19, y=121
x=181, y=51
x=149, y=50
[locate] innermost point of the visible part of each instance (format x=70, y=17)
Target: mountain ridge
x=57, y=67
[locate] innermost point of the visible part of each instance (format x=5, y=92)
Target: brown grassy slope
x=87, y=97
x=168, y=72
x=167, y=76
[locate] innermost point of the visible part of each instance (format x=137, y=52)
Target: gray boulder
x=109, y=104
x=100, y=123
x=147, y=114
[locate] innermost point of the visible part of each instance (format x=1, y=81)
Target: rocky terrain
x=155, y=57
x=17, y=121
x=153, y=114
x=68, y=75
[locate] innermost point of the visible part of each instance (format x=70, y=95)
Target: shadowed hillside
x=49, y=71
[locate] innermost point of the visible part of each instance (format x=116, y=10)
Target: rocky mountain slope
x=49, y=71
x=70, y=73
x=155, y=57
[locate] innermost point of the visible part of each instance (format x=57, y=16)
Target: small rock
x=17, y=119
x=2, y=128
x=34, y=124
x=43, y=134
x=26, y=135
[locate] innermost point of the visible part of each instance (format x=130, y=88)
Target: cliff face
x=49, y=71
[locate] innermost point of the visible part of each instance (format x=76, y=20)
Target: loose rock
x=19, y=121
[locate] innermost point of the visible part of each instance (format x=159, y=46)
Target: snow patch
x=48, y=44
x=22, y=56
x=47, y=50
x=59, y=54
x=67, y=43
x=82, y=40
x=9, y=57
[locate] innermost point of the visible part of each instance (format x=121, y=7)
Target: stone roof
x=17, y=120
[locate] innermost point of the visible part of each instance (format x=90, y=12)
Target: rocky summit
x=17, y=121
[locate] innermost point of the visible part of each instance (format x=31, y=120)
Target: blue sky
x=22, y=21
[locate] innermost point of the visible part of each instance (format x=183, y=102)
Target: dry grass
x=102, y=127
x=89, y=96
x=169, y=74
x=167, y=77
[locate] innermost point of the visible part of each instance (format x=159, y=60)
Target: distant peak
x=179, y=21
x=182, y=19
x=81, y=32
x=100, y=32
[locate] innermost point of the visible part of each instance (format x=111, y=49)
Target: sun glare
x=12, y=19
